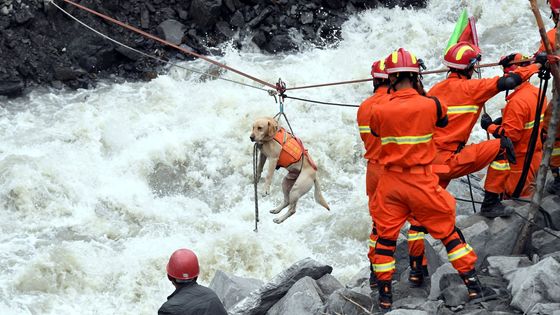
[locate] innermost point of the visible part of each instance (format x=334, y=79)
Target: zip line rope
x=154, y=57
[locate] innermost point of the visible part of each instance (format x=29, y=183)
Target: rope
x=164, y=42
x=255, y=182
x=320, y=102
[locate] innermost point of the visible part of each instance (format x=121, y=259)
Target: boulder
x=555, y=256
x=261, y=300
x=280, y=43
x=545, y=243
x=224, y=28
x=206, y=12
x=348, y=302
x=172, y=31
x=545, y=309
x=232, y=289
x=304, y=297
x=306, y=18
x=328, y=284
x=66, y=73
x=551, y=206
x=359, y=278
x=503, y=265
x=407, y=312
x=535, y=284
x=11, y=88
x=435, y=289
x=237, y=19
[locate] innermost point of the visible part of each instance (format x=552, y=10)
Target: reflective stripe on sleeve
x=457, y=254
x=365, y=129
x=384, y=267
x=415, y=236
x=499, y=166
x=407, y=139
x=463, y=109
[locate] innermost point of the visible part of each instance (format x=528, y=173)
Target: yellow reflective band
x=455, y=110
x=395, y=56
x=499, y=166
x=384, y=267
x=531, y=124
x=413, y=58
x=556, y=152
x=365, y=129
x=372, y=243
x=407, y=139
x=461, y=252
x=462, y=51
x=382, y=64
x=415, y=236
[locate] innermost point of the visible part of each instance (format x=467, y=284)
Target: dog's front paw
x=277, y=221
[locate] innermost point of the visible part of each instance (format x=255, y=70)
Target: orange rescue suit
x=555, y=158
x=551, y=34
x=518, y=120
x=373, y=147
x=465, y=99
x=407, y=185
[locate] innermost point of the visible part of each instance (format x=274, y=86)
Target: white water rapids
x=98, y=187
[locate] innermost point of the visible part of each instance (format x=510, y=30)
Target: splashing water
x=99, y=187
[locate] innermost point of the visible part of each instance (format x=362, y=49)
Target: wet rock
x=454, y=292
x=66, y=74
x=259, y=39
x=23, y=16
x=237, y=19
x=304, y=297
x=145, y=18
x=224, y=28
x=535, y=284
x=206, y=12
x=343, y=301
x=409, y=303
x=551, y=206
x=555, y=256
x=261, y=300
x=328, y=284
x=172, y=31
x=545, y=243
x=11, y=88
x=435, y=289
x=504, y=265
x=259, y=18
x=306, y=18
x=232, y=289
x=280, y=43
x=545, y=309
x=407, y=312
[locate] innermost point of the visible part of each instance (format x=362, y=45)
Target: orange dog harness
x=292, y=149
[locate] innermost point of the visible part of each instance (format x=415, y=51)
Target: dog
x=282, y=149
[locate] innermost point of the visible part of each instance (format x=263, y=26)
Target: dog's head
x=264, y=129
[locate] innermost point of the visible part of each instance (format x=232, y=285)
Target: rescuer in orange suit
x=516, y=123
x=465, y=98
x=407, y=185
x=416, y=233
x=554, y=187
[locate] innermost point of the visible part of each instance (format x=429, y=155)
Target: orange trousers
x=470, y=159
x=416, y=232
x=503, y=177
x=403, y=194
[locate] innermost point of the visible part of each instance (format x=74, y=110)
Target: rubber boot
x=385, y=295
x=477, y=292
x=554, y=187
x=492, y=207
x=372, y=279
x=418, y=272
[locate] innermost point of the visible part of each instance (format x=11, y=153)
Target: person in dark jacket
x=189, y=297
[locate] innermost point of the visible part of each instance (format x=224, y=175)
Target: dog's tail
x=318, y=195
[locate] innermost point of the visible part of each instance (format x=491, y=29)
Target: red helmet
x=461, y=56
x=183, y=265
x=518, y=57
x=402, y=61
x=378, y=70
x=555, y=6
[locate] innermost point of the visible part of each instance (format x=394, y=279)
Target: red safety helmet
x=378, y=70
x=518, y=57
x=462, y=55
x=402, y=61
x=554, y=6
x=183, y=265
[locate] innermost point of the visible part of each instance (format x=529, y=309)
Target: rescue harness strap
x=544, y=76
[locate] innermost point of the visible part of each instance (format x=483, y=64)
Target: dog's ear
x=272, y=127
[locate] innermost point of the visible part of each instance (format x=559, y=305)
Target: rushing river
x=98, y=187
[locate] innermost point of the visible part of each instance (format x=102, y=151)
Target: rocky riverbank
x=42, y=46
x=528, y=286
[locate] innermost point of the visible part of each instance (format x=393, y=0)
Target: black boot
x=492, y=207
x=477, y=292
x=417, y=271
x=385, y=295
x=554, y=187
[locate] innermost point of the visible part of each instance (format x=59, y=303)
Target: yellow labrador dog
x=284, y=150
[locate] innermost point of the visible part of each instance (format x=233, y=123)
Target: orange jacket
x=292, y=149
x=551, y=38
x=465, y=99
x=547, y=117
x=405, y=127
x=518, y=117
x=372, y=144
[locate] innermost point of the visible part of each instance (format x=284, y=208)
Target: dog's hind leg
x=302, y=185
x=287, y=184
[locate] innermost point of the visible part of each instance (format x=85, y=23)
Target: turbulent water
x=99, y=187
